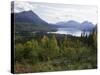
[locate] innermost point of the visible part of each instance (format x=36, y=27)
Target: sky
x=54, y=13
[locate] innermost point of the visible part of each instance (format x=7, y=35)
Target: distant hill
x=70, y=23
x=87, y=26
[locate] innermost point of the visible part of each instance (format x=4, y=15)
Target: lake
x=70, y=31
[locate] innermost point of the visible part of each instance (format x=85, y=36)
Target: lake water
x=71, y=31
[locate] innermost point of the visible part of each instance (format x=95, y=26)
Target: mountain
x=29, y=21
x=28, y=17
x=87, y=26
x=70, y=23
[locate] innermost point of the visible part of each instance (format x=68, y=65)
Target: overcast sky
x=53, y=13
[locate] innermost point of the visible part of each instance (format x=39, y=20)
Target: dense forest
x=39, y=52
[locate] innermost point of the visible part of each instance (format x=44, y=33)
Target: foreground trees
x=68, y=53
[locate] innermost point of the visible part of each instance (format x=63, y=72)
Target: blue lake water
x=70, y=31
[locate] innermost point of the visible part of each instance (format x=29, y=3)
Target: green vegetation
x=29, y=27
x=54, y=52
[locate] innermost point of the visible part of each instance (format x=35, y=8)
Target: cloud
x=53, y=13
x=20, y=6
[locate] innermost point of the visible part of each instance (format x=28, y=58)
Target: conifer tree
x=53, y=46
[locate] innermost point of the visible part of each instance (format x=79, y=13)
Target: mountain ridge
x=85, y=25
x=28, y=20
x=33, y=18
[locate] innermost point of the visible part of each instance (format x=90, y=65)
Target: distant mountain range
x=73, y=24
x=28, y=20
